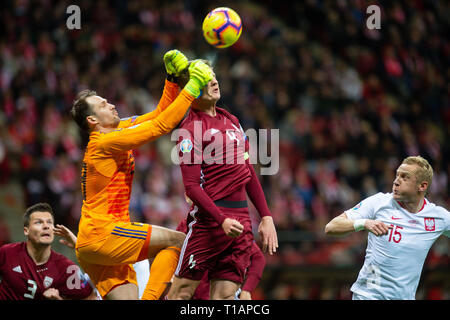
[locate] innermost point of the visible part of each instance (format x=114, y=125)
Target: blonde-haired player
x=402, y=226
x=107, y=242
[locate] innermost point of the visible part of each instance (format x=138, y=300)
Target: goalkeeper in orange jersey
x=107, y=242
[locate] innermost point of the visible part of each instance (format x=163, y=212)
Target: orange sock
x=161, y=272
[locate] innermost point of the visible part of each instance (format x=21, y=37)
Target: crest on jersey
x=186, y=145
x=47, y=281
x=429, y=224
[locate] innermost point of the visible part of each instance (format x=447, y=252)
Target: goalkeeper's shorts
x=109, y=261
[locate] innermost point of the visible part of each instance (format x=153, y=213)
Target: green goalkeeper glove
x=199, y=75
x=175, y=62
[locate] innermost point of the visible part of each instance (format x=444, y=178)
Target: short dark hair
x=81, y=109
x=41, y=207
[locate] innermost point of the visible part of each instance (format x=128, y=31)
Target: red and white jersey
x=393, y=262
x=22, y=279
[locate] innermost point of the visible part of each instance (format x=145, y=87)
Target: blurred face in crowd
x=40, y=228
x=406, y=186
x=104, y=113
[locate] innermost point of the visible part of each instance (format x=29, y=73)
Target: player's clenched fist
x=232, y=227
x=175, y=62
x=199, y=75
x=52, y=294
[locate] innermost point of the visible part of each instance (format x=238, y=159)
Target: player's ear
x=25, y=231
x=91, y=120
x=423, y=186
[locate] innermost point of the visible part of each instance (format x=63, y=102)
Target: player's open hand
x=69, y=239
x=377, y=227
x=268, y=235
x=232, y=227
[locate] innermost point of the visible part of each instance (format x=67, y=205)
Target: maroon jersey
x=219, y=145
x=22, y=279
x=213, y=153
x=217, y=177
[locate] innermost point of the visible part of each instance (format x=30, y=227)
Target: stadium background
x=350, y=104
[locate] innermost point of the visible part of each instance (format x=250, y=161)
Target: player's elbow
x=163, y=127
x=329, y=229
x=190, y=190
x=178, y=239
x=334, y=229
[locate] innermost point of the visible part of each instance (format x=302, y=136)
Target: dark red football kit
x=22, y=279
x=217, y=175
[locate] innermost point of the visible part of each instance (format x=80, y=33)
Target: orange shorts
x=109, y=262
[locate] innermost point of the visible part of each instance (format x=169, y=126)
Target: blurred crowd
x=350, y=103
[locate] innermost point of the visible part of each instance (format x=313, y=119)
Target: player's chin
x=215, y=95
x=396, y=195
x=216, y=98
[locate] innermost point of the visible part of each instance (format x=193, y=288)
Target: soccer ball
x=222, y=27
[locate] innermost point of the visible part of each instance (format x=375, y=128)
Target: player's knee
x=223, y=289
x=184, y=295
x=181, y=292
x=178, y=239
x=228, y=295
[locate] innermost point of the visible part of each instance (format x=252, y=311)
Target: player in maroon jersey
x=252, y=277
x=32, y=270
x=217, y=175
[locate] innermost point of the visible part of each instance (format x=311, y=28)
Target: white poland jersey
x=393, y=262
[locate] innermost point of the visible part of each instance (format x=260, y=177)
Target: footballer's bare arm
x=342, y=225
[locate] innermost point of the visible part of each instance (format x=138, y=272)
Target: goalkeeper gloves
x=199, y=75
x=175, y=62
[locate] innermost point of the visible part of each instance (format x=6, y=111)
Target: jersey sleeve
x=256, y=193
x=73, y=283
x=253, y=187
x=2, y=259
x=190, y=158
x=365, y=209
x=124, y=139
x=192, y=184
x=447, y=230
x=170, y=93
